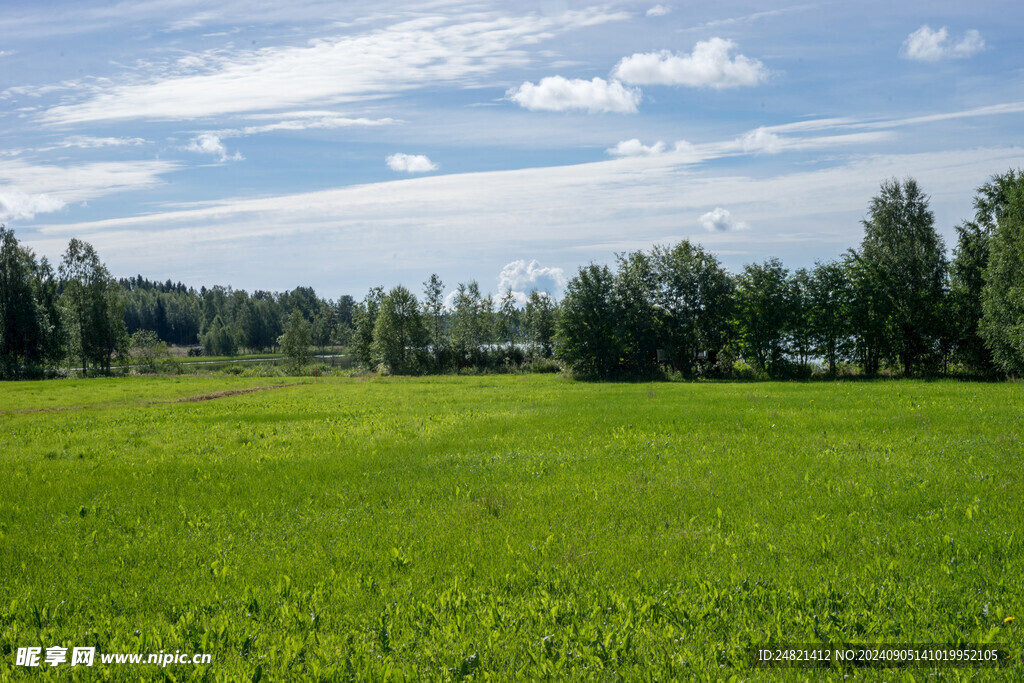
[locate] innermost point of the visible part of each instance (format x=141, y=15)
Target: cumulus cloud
x=15, y=205
x=761, y=140
x=556, y=93
x=635, y=148
x=926, y=45
x=720, y=220
x=710, y=65
x=411, y=163
x=522, y=278
x=659, y=11
x=209, y=143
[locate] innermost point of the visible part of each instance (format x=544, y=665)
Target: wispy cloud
x=556, y=93
x=410, y=163
x=550, y=209
x=194, y=21
x=90, y=142
x=710, y=65
x=349, y=68
x=29, y=189
x=659, y=10
x=295, y=121
x=926, y=45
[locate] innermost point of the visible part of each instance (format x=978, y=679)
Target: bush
x=741, y=369
x=263, y=370
x=540, y=365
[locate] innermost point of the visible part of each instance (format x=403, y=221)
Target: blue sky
x=341, y=145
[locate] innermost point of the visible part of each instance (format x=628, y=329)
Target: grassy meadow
x=505, y=527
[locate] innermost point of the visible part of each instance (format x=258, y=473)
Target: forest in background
x=896, y=305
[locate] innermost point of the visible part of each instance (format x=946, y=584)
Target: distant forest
x=897, y=305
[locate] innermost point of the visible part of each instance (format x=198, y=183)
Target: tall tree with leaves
x=695, y=293
x=472, y=325
x=296, y=341
x=92, y=305
x=801, y=335
x=433, y=312
x=28, y=328
x=365, y=318
x=507, y=322
x=540, y=315
x=829, y=302
x=1002, y=323
x=762, y=313
x=399, y=335
x=905, y=262
x=587, y=330
x=637, y=317
x=967, y=270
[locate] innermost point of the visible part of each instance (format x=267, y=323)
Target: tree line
x=896, y=304
x=79, y=316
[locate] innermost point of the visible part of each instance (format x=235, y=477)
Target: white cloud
x=659, y=11
x=720, y=220
x=926, y=45
x=635, y=148
x=410, y=163
x=575, y=213
x=77, y=183
x=522, y=278
x=374, y=64
x=209, y=143
x=556, y=93
x=15, y=205
x=761, y=140
x=195, y=21
x=709, y=65
x=296, y=122
x=90, y=142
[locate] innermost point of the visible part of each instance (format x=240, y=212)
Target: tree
x=905, y=265
x=92, y=306
x=801, y=337
x=762, y=313
x=586, y=331
x=399, y=335
x=507, y=323
x=540, y=318
x=472, y=328
x=296, y=340
x=967, y=271
x=1002, y=323
x=695, y=293
x=433, y=311
x=637, y=319
x=29, y=326
x=220, y=338
x=147, y=351
x=365, y=317
x=830, y=297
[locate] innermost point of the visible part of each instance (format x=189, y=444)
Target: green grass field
x=505, y=527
